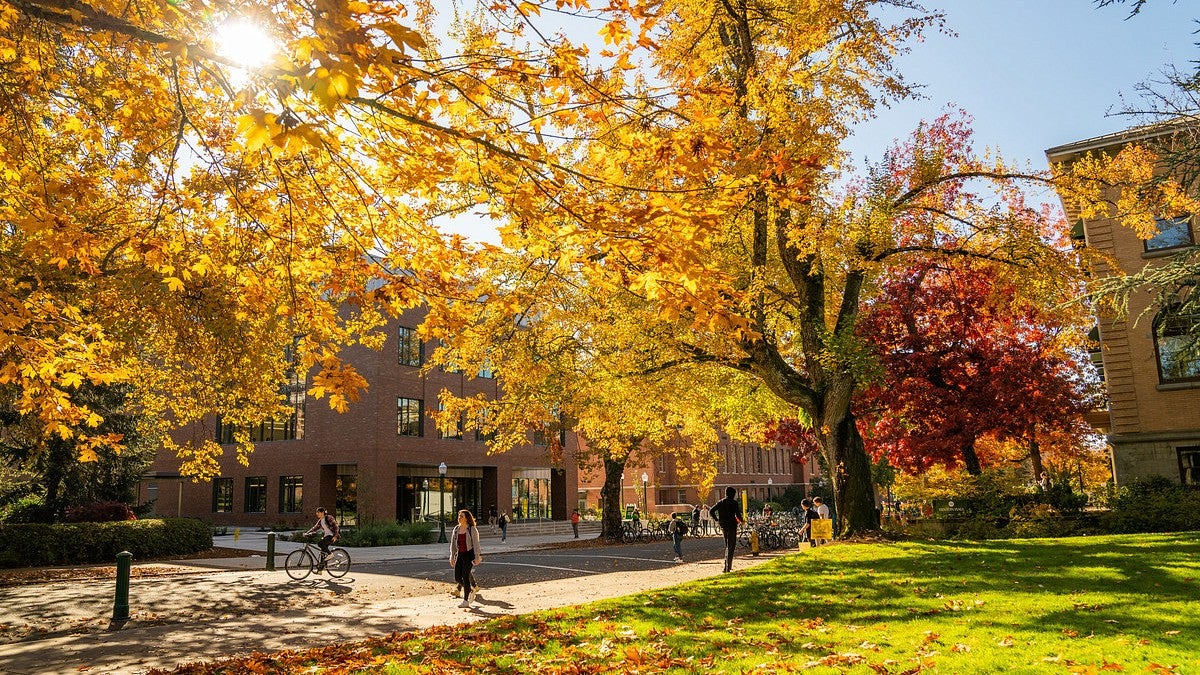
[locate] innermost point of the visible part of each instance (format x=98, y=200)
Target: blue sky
x=1036, y=73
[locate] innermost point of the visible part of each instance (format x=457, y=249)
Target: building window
x=409, y=414
x=411, y=350
x=223, y=495
x=450, y=365
x=346, y=489
x=1172, y=233
x=485, y=371
x=256, y=494
x=286, y=429
x=291, y=494
x=1189, y=465
x=1177, y=345
x=453, y=429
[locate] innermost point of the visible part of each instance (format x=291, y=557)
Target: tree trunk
x=971, y=459
x=610, y=496
x=1035, y=459
x=853, y=493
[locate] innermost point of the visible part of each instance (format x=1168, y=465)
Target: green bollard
x=121, y=603
x=271, y=551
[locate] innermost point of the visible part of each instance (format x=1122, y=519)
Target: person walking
x=808, y=514
x=575, y=522
x=503, y=523
x=492, y=518
x=465, y=553
x=705, y=516
x=728, y=515
x=695, y=520
x=677, y=528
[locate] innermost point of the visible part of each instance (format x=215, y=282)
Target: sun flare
x=244, y=43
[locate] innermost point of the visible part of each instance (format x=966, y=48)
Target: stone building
x=1153, y=388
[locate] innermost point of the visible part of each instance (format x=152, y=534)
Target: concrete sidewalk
x=211, y=608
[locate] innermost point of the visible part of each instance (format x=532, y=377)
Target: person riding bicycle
x=329, y=526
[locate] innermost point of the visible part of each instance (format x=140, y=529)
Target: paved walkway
x=205, y=609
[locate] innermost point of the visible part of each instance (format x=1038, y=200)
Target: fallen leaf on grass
x=960, y=648
x=1006, y=642
x=1172, y=632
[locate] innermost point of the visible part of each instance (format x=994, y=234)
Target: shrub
x=76, y=543
x=28, y=509
x=388, y=533
x=1154, y=504
x=100, y=512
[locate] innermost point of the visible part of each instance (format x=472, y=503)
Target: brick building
x=1153, y=390
x=761, y=471
x=378, y=461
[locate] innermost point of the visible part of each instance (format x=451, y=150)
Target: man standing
x=728, y=515
x=492, y=518
x=575, y=522
x=677, y=528
x=695, y=520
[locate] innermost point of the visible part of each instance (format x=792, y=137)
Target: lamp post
x=442, y=509
x=770, y=482
x=645, y=495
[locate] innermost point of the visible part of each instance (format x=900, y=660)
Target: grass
x=1080, y=605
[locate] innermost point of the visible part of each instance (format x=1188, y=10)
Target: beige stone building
x=1153, y=389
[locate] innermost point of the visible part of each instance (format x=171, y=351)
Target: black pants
x=324, y=543
x=462, y=571
x=730, y=534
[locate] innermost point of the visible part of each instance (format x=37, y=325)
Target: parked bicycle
x=304, y=561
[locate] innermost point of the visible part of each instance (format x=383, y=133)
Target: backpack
x=681, y=528
x=332, y=524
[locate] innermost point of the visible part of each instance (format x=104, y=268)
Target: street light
x=769, y=484
x=645, y=495
x=442, y=509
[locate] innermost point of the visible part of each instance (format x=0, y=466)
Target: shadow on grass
x=1145, y=584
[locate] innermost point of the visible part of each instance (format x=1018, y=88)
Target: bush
x=1154, y=504
x=100, y=512
x=28, y=509
x=388, y=533
x=77, y=543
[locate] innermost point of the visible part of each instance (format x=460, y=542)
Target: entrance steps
x=588, y=529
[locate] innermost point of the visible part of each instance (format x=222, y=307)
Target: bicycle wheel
x=338, y=563
x=299, y=564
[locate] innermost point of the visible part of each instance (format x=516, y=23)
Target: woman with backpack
x=677, y=529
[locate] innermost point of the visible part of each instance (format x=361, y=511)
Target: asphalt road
x=501, y=568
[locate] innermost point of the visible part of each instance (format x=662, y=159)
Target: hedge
x=35, y=545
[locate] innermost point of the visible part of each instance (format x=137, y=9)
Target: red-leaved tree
x=965, y=356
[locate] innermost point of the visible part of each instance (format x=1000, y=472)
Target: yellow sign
x=821, y=528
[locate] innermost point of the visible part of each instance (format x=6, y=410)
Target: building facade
x=1153, y=387
x=763, y=472
x=378, y=461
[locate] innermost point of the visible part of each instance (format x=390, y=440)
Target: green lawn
x=1094, y=604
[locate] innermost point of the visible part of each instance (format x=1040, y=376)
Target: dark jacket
x=727, y=512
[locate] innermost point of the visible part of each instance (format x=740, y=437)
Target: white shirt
x=823, y=511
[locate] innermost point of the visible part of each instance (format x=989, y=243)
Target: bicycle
x=304, y=561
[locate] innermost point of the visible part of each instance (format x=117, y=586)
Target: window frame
x=1158, y=334
x=222, y=495
x=1194, y=467
x=407, y=338
x=254, y=489
x=1185, y=220
x=291, y=493
x=420, y=417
